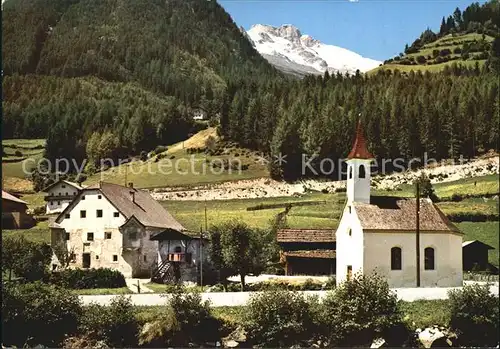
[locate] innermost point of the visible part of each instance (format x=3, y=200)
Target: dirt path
x=266, y=188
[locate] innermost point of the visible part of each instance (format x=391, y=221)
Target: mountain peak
x=285, y=45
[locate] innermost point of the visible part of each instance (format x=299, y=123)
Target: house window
x=349, y=209
x=349, y=272
x=132, y=235
x=66, y=193
x=362, y=171
x=83, y=197
x=72, y=258
x=429, y=258
x=67, y=236
x=107, y=235
x=116, y=214
x=52, y=203
x=90, y=236
x=145, y=258
x=99, y=213
x=59, y=202
x=66, y=215
x=350, y=171
x=63, y=186
x=96, y=257
x=83, y=214
x=396, y=258
x=99, y=196
x=115, y=258
x=350, y=232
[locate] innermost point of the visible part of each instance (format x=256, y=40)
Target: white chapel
x=377, y=234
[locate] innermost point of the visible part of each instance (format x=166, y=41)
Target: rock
x=428, y=336
x=378, y=343
x=230, y=344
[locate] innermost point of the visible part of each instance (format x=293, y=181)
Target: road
x=222, y=299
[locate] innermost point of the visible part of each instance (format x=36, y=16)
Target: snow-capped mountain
x=290, y=51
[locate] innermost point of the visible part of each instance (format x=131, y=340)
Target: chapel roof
x=359, y=150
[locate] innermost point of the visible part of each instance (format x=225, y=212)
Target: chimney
x=132, y=196
x=131, y=185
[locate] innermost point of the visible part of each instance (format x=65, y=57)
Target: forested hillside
x=467, y=37
x=134, y=67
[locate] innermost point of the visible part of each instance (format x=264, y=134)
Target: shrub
x=360, y=310
x=32, y=259
x=186, y=320
x=474, y=315
x=37, y=313
x=143, y=155
x=279, y=319
x=341, y=190
x=421, y=59
x=445, y=52
x=115, y=324
x=18, y=153
x=88, y=278
x=457, y=50
x=456, y=197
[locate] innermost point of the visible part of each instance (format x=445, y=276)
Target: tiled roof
x=311, y=254
x=392, y=213
x=144, y=208
x=147, y=210
x=359, y=150
x=73, y=184
x=306, y=235
x=10, y=197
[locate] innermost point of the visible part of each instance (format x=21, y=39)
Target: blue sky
x=376, y=29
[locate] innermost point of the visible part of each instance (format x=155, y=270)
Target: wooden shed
x=307, y=251
x=475, y=255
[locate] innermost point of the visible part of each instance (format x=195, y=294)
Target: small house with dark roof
x=123, y=228
x=15, y=213
x=59, y=195
x=379, y=234
x=475, y=256
x=307, y=251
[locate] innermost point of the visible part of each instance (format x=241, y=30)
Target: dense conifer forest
x=131, y=71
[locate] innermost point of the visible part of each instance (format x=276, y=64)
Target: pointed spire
x=359, y=150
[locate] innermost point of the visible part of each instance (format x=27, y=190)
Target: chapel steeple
x=358, y=169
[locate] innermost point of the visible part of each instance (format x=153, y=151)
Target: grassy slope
x=325, y=215
x=447, y=42
x=179, y=168
x=13, y=175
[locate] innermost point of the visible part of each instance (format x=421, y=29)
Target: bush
x=31, y=259
x=341, y=190
x=361, y=310
x=445, y=52
x=18, y=153
x=37, y=313
x=88, y=278
x=186, y=320
x=115, y=324
x=421, y=60
x=457, y=197
x=280, y=319
x=457, y=50
x=474, y=315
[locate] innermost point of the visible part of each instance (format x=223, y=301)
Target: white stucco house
x=114, y=226
x=378, y=234
x=59, y=195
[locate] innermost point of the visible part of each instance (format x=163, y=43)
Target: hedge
x=88, y=278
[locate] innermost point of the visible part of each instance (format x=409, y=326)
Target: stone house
x=378, y=234
x=109, y=225
x=59, y=195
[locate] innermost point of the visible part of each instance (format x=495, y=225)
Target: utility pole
x=201, y=257
x=418, y=234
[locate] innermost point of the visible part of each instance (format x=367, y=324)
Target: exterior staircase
x=163, y=273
